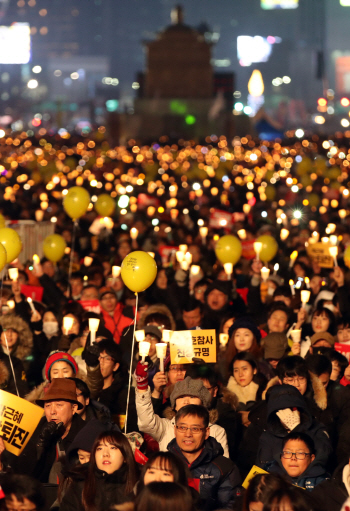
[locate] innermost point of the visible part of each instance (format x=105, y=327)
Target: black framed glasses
x=194, y=429
x=287, y=455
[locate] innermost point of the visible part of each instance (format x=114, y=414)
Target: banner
x=319, y=252
x=18, y=421
x=188, y=344
x=91, y=305
x=248, y=251
x=33, y=292
x=344, y=349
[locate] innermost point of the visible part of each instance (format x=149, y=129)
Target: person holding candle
x=112, y=313
x=16, y=339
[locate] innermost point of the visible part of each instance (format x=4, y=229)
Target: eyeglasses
x=194, y=430
x=106, y=359
x=299, y=455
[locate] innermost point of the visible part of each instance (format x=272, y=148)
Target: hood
x=313, y=470
x=211, y=450
x=285, y=396
x=229, y=398
x=4, y=374
x=159, y=309
x=24, y=343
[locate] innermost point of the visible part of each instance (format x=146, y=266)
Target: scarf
x=244, y=394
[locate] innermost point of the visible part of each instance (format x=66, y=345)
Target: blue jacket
x=219, y=478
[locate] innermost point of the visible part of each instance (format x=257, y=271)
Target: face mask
x=50, y=327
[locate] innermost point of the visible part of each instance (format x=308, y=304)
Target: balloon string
x=72, y=250
x=9, y=355
x=2, y=285
x=130, y=369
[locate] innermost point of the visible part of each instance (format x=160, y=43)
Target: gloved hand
x=289, y=418
x=91, y=354
x=65, y=341
x=141, y=375
x=50, y=433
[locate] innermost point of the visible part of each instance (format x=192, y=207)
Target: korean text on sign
x=189, y=344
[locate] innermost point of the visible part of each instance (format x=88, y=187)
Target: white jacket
x=162, y=430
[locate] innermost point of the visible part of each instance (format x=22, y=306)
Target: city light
x=37, y=69
x=32, y=84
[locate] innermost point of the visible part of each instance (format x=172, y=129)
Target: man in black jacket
x=216, y=477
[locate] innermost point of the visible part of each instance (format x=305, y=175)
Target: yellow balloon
x=3, y=256
x=228, y=249
x=76, y=202
x=2, y=221
x=105, y=205
x=138, y=271
x=12, y=243
x=269, y=247
x=54, y=247
x=347, y=256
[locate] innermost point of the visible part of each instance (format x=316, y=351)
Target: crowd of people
x=264, y=428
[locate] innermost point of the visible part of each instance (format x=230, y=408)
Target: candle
x=31, y=304
x=276, y=268
x=228, y=267
x=161, y=354
x=223, y=339
x=293, y=257
x=87, y=260
x=139, y=335
x=179, y=256
x=116, y=271
x=291, y=283
x=334, y=253
x=305, y=296
x=315, y=235
x=13, y=274
x=39, y=215
x=184, y=265
x=188, y=258
x=67, y=324
x=133, y=233
x=242, y=234
x=333, y=239
x=93, y=327
x=331, y=228
x=195, y=269
x=11, y=304
x=200, y=222
x=265, y=272
x=144, y=347
x=183, y=248
x=166, y=335
x=296, y=335
x=307, y=282
x=312, y=224
x=342, y=213
x=284, y=234
x=36, y=261
x=203, y=231
x=257, y=248
x=152, y=254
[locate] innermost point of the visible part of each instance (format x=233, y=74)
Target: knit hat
x=189, y=387
x=59, y=356
x=61, y=389
x=275, y=345
x=104, y=291
x=323, y=336
x=154, y=331
x=245, y=323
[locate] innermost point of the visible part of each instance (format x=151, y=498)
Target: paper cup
x=296, y=335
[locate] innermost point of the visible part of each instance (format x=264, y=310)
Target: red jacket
x=117, y=322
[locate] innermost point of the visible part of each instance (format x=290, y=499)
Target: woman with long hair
x=164, y=496
x=110, y=479
x=163, y=467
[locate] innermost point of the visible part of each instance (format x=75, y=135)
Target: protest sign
x=187, y=344
x=18, y=421
x=344, y=349
x=253, y=472
x=319, y=252
x=91, y=305
x=33, y=292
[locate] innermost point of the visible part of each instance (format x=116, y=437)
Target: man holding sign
x=54, y=434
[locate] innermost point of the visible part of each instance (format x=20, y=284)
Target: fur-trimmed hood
x=4, y=375
x=169, y=413
x=157, y=308
x=319, y=390
x=228, y=397
x=24, y=344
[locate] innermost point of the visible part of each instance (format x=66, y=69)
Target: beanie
x=275, y=345
x=221, y=285
x=323, y=336
x=245, y=323
x=190, y=387
x=59, y=356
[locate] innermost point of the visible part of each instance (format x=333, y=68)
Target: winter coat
x=162, y=430
x=270, y=443
x=109, y=491
x=219, y=478
x=331, y=494
x=116, y=323
x=115, y=399
x=24, y=345
x=7, y=381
